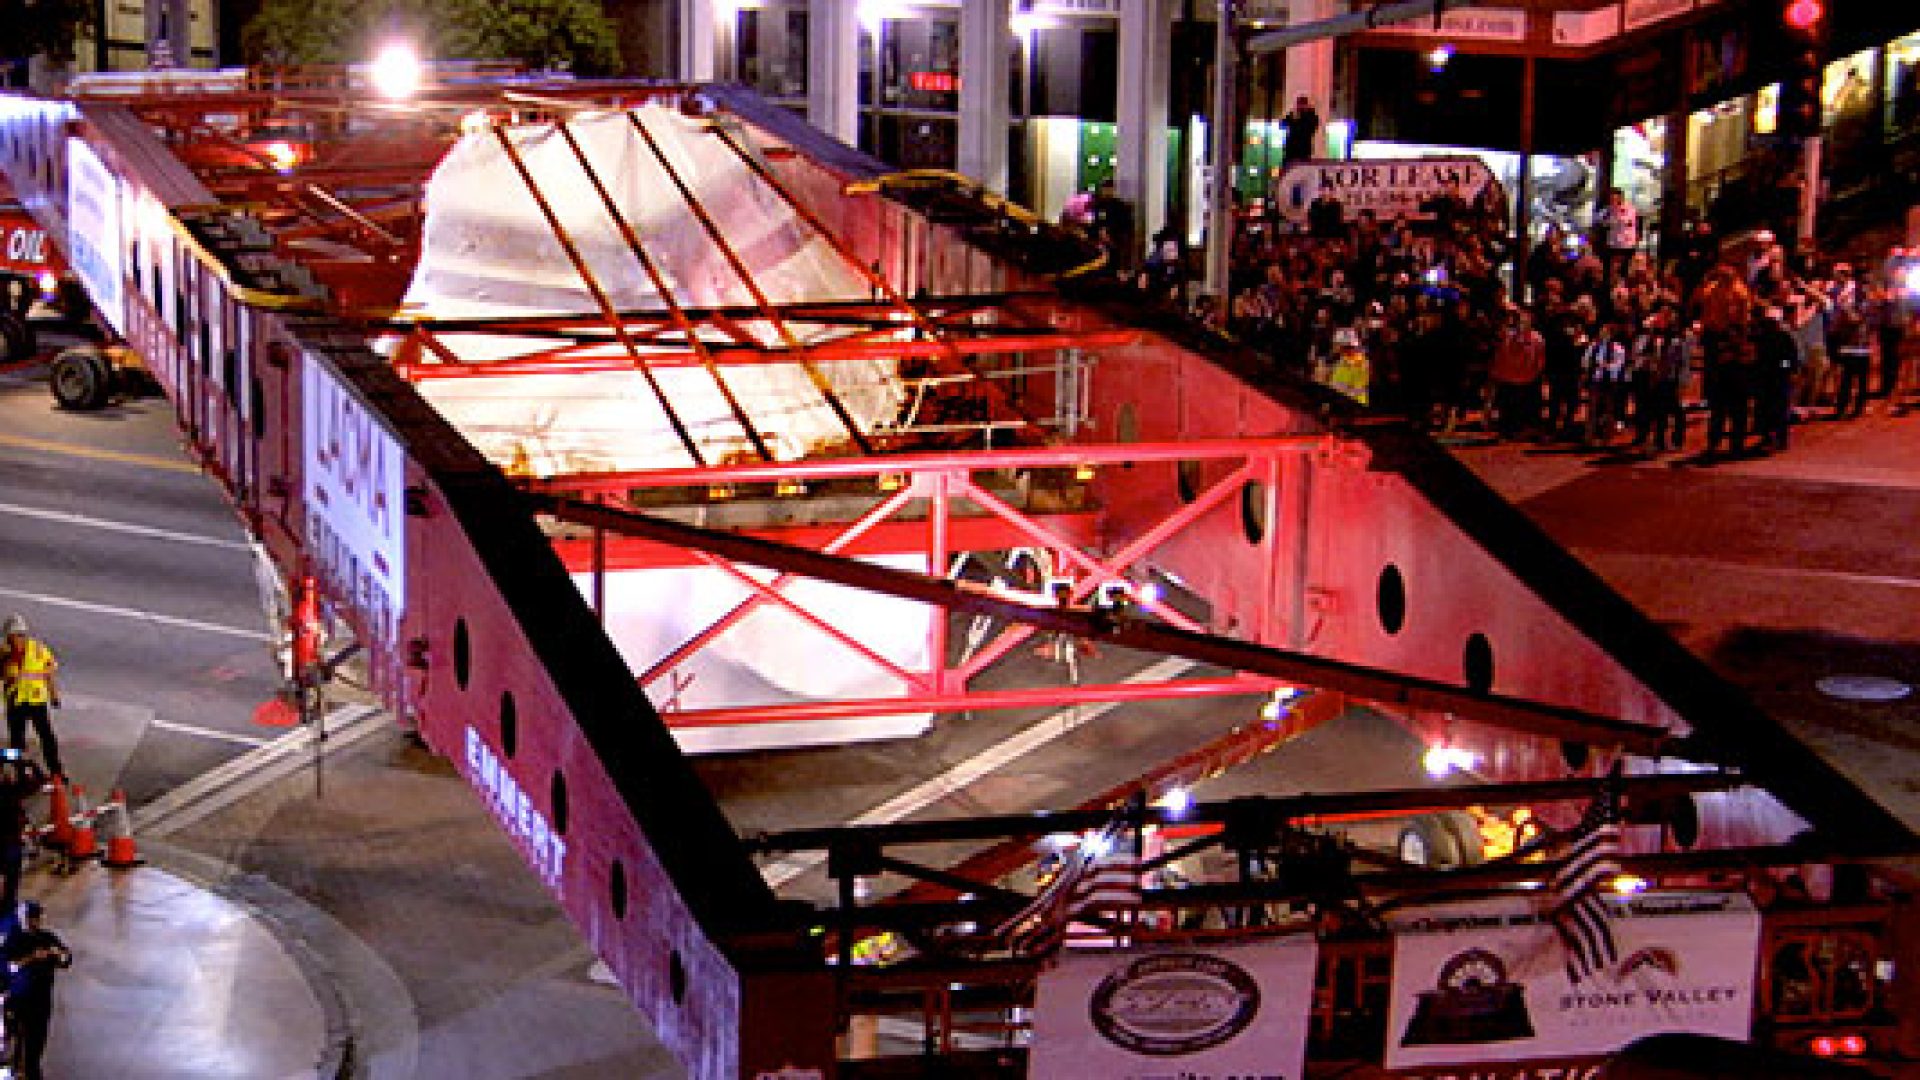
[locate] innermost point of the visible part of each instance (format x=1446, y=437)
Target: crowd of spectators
x=1604, y=348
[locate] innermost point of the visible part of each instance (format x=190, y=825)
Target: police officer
x=27, y=678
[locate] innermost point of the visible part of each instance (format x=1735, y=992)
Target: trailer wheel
x=1427, y=841
x=17, y=339
x=82, y=379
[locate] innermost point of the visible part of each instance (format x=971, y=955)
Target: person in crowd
x=1519, y=361
x=1326, y=216
x=1725, y=305
x=1568, y=329
x=1616, y=232
x=1776, y=359
x=1811, y=309
x=1300, y=132
x=35, y=955
x=1605, y=370
x=1887, y=320
x=1660, y=364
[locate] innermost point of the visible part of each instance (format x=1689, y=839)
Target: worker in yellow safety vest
x=27, y=669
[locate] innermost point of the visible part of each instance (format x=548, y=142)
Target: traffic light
x=1804, y=25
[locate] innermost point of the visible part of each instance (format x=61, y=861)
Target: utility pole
x=1225, y=139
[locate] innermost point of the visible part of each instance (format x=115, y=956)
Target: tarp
x=489, y=252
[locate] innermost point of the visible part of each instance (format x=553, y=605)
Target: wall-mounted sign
x=1389, y=188
x=1472, y=24
x=355, y=502
x=93, y=232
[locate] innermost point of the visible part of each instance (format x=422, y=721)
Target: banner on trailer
x=355, y=502
x=93, y=231
x=1150, y=1014
x=1492, y=983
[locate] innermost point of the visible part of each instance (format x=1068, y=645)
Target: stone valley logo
x=1174, y=1003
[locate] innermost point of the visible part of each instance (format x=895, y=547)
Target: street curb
x=364, y=1002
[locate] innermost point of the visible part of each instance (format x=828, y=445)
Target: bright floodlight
x=396, y=71
x=1441, y=760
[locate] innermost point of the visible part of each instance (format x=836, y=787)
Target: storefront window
x=1639, y=161
x=771, y=42
x=910, y=90
x=1903, y=83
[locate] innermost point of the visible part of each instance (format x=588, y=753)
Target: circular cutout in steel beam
x=1390, y=599
x=462, y=654
x=1253, y=511
x=509, y=724
x=1187, y=480
x=1683, y=822
x=1476, y=663
x=677, y=977
x=617, y=888
x=559, y=802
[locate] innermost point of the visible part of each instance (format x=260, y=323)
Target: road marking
x=135, y=613
x=210, y=733
x=65, y=518
x=147, y=461
x=269, y=763
x=968, y=772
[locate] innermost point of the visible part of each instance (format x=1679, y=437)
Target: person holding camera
x=34, y=955
x=20, y=780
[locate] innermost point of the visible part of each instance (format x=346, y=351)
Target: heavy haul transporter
x=665, y=456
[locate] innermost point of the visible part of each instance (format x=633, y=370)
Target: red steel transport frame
x=253, y=236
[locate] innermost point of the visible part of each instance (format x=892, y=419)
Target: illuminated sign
x=93, y=231
x=934, y=82
x=355, y=496
x=23, y=245
x=516, y=813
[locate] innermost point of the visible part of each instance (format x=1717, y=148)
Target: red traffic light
x=1804, y=15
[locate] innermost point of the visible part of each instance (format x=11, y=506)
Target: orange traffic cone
x=59, y=816
x=85, y=842
x=122, y=854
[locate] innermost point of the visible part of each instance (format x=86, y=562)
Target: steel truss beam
x=1142, y=634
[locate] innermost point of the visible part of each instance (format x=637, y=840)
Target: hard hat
x=15, y=625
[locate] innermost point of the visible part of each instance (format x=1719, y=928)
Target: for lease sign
x=1389, y=187
x=355, y=495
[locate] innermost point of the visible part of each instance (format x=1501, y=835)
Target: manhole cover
x=1863, y=688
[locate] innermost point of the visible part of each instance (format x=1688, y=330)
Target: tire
x=1428, y=841
x=17, y=339
x=82, y=379
x=1466, y=836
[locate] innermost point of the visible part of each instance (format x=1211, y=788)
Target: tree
x=44, y=26
x=570, y=35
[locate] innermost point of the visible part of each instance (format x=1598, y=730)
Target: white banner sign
x=1492, y=984
x=355, y=501
x=93, y=231
x=1475, y=24
x=1389, y=188
x=1164, y=1013
x=1586, y=27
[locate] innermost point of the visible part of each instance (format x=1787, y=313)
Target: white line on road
x=963, y=775
x=233, y=780
x=65, y=518
x=210, y=733
x=135, y=613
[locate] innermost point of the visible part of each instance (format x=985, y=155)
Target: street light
x=395, y=71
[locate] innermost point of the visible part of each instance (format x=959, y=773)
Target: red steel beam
x=744, y=354
x=1066, y=455
x=1356, y=680
x=1028, y=698
x=965, y=533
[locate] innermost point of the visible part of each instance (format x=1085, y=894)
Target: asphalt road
x=131, y=566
